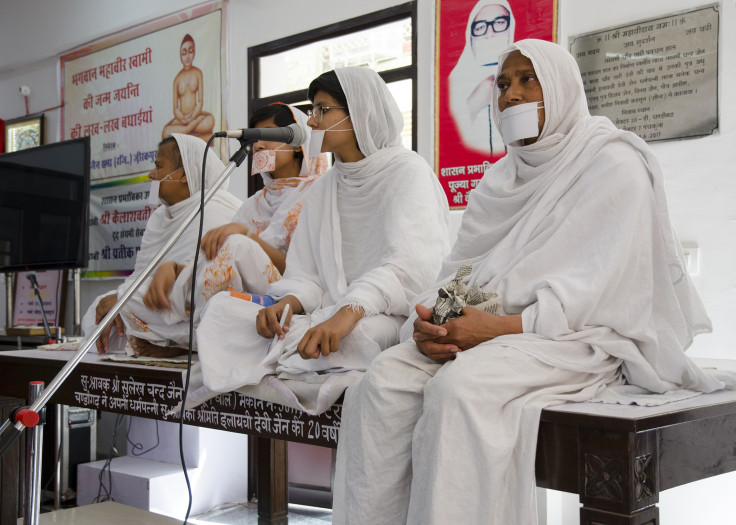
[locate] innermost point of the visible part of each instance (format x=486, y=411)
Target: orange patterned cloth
x=274, y=212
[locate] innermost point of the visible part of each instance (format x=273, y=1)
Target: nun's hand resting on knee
x=324, y=338
x=215, y=238
x=105, y=305
x=157, y=296
x=473, y=327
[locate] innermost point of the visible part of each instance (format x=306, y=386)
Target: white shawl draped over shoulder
x=165, y=220
x=574, y=232
x=371, y=231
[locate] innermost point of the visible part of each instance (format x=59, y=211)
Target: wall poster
x=127, y=92
x=470, y=35
x=26, y=306
x=657, y=78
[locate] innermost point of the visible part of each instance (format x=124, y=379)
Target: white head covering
x=166, y=219
x=372, y=230
x=377, y=119
x=574, y=231
x=273, y=212
x=471, y=70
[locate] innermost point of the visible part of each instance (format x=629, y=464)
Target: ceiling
x=35, y=30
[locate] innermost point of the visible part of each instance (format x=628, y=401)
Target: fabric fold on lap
x=238, y=359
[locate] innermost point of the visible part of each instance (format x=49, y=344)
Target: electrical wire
x=191, y=332
x=229, y=505
x=56, y=466
x=57, y=302
x=113, y=453
x=135, y=447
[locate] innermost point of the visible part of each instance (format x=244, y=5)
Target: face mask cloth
x=153, y=193
x=318, y=136
x=520, y=122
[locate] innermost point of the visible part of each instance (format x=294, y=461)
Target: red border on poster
x=459, y=164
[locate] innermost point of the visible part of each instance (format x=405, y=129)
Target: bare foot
x=145, y=348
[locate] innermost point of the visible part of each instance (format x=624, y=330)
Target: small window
x=384, y=41
x=382, y=48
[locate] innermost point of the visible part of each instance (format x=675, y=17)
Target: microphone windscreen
x=299, y=137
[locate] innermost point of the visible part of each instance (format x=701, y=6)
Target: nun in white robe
x=371, y=235
x=164, y=221
x=241, y=262
x=573, y=231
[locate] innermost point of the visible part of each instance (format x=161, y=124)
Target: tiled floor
x=247, y=514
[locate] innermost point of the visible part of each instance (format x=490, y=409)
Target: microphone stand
x=29, y=417
x=49, y=338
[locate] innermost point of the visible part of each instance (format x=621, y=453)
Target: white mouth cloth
x=520, y=122
x=153, y=193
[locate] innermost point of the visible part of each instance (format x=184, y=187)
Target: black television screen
x=44, y=206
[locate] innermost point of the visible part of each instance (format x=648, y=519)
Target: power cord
x=191, y=331
x=135, y=447
x=107, y=496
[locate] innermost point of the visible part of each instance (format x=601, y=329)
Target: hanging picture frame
x=24, y=132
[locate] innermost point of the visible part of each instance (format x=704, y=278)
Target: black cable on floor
x=191, y=331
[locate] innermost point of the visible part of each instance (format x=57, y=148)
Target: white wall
x=700, y=174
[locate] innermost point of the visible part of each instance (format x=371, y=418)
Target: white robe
x=371, y=235
x=164, y=221
x=241, y=263
x=573, y=232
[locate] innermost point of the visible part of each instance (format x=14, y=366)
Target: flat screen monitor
x=44, y=207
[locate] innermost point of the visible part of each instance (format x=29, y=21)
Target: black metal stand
x=49, y=336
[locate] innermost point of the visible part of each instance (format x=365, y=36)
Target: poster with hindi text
x=130, y=95
x=119, y=211
x=26, y=305
x=127, y=92
x=470, y=36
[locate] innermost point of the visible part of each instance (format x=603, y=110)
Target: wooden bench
x=616, y=458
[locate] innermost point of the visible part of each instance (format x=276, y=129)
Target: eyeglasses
x=498, y=25
x=319, y=110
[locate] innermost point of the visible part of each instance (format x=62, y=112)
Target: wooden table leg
x=648, y=516
x=273, y=484
x=618, y=477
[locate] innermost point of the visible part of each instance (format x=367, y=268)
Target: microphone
x=293, y=134
x=31, y=276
